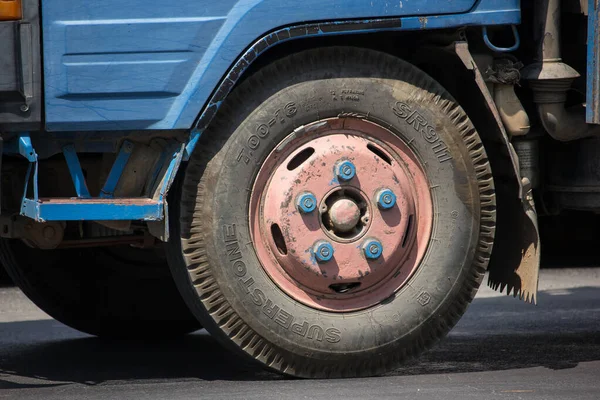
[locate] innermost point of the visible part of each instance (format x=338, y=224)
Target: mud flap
x=515, y=260
x=517, y=247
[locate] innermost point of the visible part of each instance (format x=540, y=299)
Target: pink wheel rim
x=350, y=215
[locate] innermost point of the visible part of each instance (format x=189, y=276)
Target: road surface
x=501, y=349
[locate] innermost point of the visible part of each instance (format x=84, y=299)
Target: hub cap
x=344, y=215
x=348, y=217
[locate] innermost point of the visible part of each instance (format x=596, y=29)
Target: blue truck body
x=121, y=65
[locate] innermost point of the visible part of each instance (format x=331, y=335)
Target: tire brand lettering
x=284, y=319
x=246, y=284
x=270, y=310
x=233, y=251
x=315, y=331
x=258, y=297
x=239, y=268
x=422, y=126
x=280, y=316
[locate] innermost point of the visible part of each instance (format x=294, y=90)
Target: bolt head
x=323, y=251
x=306, y=203
x=386, y=199
x=372, y=249
x=345, y=170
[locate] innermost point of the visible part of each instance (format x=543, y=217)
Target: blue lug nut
x=323, y=251
x=306, y=202
x=372, y=249
x=386, y=199
x=345, y=170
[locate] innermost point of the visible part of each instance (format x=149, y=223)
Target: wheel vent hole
x=407, y=233
x=379, y=153
x=278, y=239
x=300, y=158
x=344, y=287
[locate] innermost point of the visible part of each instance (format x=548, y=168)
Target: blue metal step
x=75, y=209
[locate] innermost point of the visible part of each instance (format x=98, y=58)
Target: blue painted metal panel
x=146, y=64
x=92, y=210
x=21, y=144
x=593, y=64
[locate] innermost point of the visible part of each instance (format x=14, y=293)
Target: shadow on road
x=495, y=334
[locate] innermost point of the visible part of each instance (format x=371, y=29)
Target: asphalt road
x=501, y=349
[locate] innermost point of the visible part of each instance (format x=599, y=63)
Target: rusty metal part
x=517, y=270
x=47, y=235
x=528, y=150
x=515, y=261
x=550, y=78
x=462, y=51
x=512, y=113
x=139, y=241
x=347, y=217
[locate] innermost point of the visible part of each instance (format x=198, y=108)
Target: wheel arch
x=425, y=49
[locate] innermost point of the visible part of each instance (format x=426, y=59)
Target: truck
x=321, y=185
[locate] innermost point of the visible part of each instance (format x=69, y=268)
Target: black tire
x=96, y=291
x=216, y=190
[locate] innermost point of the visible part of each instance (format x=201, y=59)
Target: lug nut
x=323, y=251
x=345, y=170
x=372, y=249
x=306, y=203
x=386, y=199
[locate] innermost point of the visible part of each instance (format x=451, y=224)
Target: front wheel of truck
x=118, y=292
x=338, y=217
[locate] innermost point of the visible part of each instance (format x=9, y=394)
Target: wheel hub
x=344, y=215
x=371, y=226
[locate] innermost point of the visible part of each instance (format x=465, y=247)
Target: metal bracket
x=489, y=44
x=21, y=144
x=117, y=170
x=152, y=209
x=76, y=172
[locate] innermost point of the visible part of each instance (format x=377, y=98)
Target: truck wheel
x=338, y=218
x=98, y=291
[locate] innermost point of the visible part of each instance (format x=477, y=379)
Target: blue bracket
x=176, y=158
x=84, y=207
x=514, y=47
x=191, y=143
x=21, y=145
x=76, y=172
x=116, y=171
